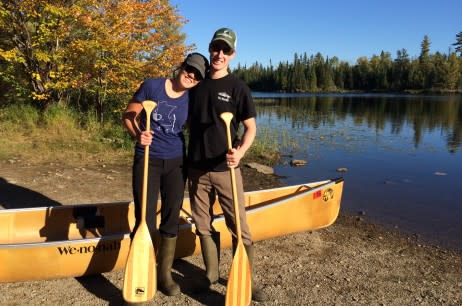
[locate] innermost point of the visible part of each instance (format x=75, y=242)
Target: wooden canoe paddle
x=239, y=287
x=140, y=279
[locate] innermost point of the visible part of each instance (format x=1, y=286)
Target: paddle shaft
x=235, y=198
x=148, y=106
x=238, y=289
x=144, y=193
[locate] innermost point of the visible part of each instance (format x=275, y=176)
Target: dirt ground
x=352, y=262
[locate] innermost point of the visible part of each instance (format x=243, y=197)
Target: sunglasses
x=221, y=47
x=192, y=73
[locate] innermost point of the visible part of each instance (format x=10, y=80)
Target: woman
x=166, y=155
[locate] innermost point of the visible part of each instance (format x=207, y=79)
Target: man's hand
x=233, y=157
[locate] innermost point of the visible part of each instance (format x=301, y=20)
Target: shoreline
x=419, y=238
x=350, y=262
x=257, y=180
x=253, y=180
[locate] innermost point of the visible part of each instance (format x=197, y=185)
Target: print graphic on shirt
x=165, y=117
x=223, y=96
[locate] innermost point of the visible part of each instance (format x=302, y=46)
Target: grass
x=60, y=134
x=270, y=143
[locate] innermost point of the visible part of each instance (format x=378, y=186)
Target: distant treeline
x=428, y=72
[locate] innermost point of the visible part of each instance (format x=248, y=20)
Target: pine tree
x=424, y=50
x=454, y=72
x=458, y=43
x=298, y=81
x=313, y=80
x=400, y=70
x=425, y=64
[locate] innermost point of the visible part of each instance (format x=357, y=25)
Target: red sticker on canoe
x=317, y=194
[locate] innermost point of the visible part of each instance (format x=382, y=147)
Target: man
x=208, y=156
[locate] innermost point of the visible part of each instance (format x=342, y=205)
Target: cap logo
x=226, y=33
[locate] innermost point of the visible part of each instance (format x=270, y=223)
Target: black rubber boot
x=166, y=255
x=258, y=295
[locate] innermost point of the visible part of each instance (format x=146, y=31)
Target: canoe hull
x=63, y=259
x=72, y=241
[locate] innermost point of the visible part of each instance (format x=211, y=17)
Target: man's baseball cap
x=198, y=61
x=227, y=35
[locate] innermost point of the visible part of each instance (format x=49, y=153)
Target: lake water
x=402, y=154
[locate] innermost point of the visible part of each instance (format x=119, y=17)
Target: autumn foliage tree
x=31, y=35
x=91, y=53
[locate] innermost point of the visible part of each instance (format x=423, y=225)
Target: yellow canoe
x=76, y=240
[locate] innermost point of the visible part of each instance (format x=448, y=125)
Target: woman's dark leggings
x=168, y=177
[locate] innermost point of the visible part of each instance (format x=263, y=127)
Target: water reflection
x=402, y=154
x=424, y=114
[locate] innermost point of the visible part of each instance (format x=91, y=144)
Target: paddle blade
x=227, y=117
x=140, y=279
x=149, y=106
x=239, y=287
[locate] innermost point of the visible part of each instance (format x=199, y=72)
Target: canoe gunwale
x=189, y=222
x=30, y=209
x=291, y=197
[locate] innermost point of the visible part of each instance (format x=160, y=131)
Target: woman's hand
x=145, y=138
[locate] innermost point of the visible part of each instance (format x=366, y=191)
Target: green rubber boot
x=210, y=249
x=166, y=255
x=258, y=295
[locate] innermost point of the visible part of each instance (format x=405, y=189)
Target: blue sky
x=276, y=30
